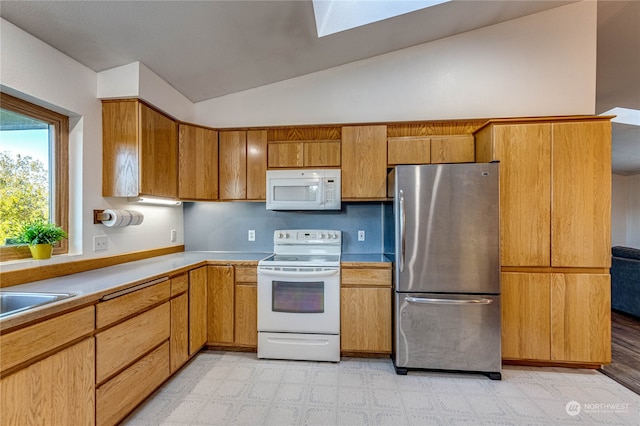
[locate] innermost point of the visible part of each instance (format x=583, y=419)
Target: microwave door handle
x=298, y=274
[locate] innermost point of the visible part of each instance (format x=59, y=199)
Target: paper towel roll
x=119, y=218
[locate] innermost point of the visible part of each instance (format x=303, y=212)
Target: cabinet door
x=452, y=149
x=120, y=160
x=246, y=315
x=197, y=309
x=198, y=163
x=220, y=292
x=233, y=165
x=524, y=152
x=581, y=318
x=409, y=150
x=158, y=154
x=179, y=349
x=581, y=195
x=286, y=154
x=365, y=319
x=364, y=162
x=322, y=154
x=256, y=164
x=526, y=316
x=57, y=390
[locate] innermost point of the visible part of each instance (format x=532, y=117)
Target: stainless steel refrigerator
x=447, y=275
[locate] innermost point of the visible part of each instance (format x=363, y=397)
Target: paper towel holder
x=100, y=216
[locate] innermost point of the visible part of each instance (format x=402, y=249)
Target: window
x=34, y=176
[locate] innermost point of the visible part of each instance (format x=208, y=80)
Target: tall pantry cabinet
x=555, y=202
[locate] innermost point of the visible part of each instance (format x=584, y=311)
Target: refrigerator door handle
x=432, y=301
x=403, y=232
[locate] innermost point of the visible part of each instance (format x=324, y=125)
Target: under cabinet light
x=154, y=200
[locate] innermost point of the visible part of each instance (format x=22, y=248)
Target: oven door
x=299, y=299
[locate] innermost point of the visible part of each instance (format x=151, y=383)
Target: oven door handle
x=299, y=274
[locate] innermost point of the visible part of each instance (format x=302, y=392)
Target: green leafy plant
x=41, y=233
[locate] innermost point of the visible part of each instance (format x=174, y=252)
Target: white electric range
x=299, y=296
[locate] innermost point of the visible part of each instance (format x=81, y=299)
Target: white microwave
x=303, y=189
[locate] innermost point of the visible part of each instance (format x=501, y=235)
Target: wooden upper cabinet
x=233, y=165
x=285, y=154
x=256, y=164
x=555, y=191
x=242, y=164
x=140, y=154
x=197, y=163
x=322, y=154
x=364, y=162
x=524, y=152
x=581, y=194
x=452, y=149
x=409, y=150
x=299, y=154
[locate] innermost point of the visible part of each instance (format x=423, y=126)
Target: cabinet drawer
x=120, y=345
x=246, y=275
x=179, y=284
x=116, y=398
x=29, y=342
x=123, y=306
x=377, y=277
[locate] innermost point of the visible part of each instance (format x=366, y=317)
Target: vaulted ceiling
x=207, y=49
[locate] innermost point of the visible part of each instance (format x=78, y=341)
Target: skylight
x=333, y=16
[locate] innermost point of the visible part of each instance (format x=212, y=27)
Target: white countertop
x=90, y=286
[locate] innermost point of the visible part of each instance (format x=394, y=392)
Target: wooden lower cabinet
x=581, y=318
x=365, y=308
x=197, y=309
x=246, y=315
x=556, y=317
x=220, y=306
x=58, y=390
x=526, y=316
x=365, y=320
x=117, y=397
x=179, y=343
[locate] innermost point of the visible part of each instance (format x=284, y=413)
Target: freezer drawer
x=447, y=332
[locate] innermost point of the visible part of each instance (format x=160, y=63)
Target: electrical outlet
x=251, y=235
x=360, y=235
x=174, y=235
x=100, y=243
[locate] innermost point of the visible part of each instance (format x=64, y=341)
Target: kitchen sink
x=12, y=302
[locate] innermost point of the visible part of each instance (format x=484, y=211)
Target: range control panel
x=307, y=236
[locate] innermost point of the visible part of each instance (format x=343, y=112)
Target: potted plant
x=41, y=236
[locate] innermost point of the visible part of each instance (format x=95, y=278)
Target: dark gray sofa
x=625, y=280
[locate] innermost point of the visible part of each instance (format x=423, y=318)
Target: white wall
x=542, y=64
x=619, y=191
x=633, y=211
x=33, y=70
x=625, y=211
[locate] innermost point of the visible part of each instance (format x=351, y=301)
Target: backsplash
x=224, y=226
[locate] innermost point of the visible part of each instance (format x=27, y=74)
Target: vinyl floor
x=625, y=351
x=231, y=388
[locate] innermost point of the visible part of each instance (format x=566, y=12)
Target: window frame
x=60, y=159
